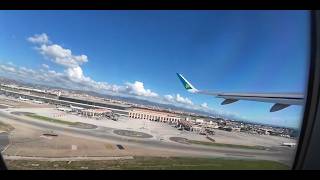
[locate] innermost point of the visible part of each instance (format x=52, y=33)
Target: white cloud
x=106, y=86
x=39, y=39
x=76, y=74
x=204, y=105
x=169, y=98
x=24, y=70
x=183, y=100
x=7, y=68
x=137, y=88
x=45, y=66
x=178, y=99
x=62, y=56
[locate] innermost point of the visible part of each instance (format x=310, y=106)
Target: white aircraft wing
x=280, y=100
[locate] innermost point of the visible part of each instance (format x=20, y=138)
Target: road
x=106, y=134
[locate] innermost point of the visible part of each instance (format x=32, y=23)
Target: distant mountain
x=27, y=84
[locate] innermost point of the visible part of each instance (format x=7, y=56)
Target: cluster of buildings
x=245, y=127
x=208, y=126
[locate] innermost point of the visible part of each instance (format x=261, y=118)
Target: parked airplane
x=64, y=109
x=38, y=102
x=23, y=99
x=76, y=108
x=280, y=100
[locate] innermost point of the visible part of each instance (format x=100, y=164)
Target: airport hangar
x=120, y=109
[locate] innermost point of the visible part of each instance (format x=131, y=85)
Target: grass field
x=150, y=163
x=5, y=127
x=73, y=124
x=35, y=116
x=226, y=145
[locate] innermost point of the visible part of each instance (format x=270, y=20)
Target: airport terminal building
x=153, y=115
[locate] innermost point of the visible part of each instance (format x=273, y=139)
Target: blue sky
x=137, y=53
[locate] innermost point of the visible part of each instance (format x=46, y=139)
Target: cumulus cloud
x=39, y=39
x=76, y=74
x=26, y=70
x=7, y=68
x=19, y=72
x=183, y=100
x=62, y=56
x=45, y=66
x=169, y=98
x=178, y=99
x=204, y=105
x=137, y=88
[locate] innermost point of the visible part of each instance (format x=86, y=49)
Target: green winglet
x=185, y=83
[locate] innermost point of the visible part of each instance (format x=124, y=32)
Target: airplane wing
x=280, y=100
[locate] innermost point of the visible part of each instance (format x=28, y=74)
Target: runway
x=106, y=134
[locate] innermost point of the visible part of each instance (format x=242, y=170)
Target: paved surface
x=135, y=134
x=4, y=141
x=3, y=107
x=104, y=133
x=6, y=157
